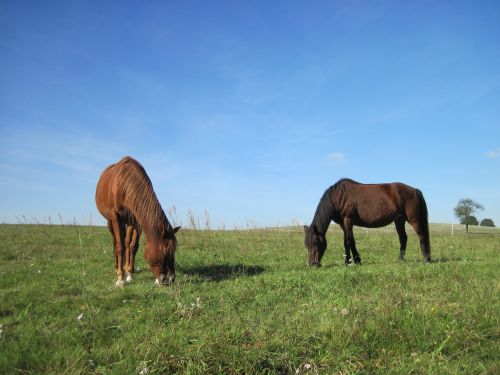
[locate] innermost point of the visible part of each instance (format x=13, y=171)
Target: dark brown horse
x=350, y=203
x=125, y=197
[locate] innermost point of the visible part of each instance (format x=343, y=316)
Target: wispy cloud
x=483, y=89
x=46, y=149
x=336, y=156
x=493, y=154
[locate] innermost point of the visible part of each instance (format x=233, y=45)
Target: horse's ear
x=176, y=229
x=306, y=229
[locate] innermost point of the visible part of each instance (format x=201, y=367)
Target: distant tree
x=465, y=208
x=472, y=220
x=487, y=223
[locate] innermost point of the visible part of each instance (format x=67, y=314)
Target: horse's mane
x=139, y=197
x=342, y=181
x=324, y=212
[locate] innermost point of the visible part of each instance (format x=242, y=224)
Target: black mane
x=324, y=212
x=341, y=181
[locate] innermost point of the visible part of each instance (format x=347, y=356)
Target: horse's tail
x=424, y=221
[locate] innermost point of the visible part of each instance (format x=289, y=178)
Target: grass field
x=246, y=302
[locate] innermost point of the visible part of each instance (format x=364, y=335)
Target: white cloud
x=336, y=156
x=493, y=154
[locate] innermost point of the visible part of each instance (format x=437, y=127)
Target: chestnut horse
x=125, y=197
x=350, y=203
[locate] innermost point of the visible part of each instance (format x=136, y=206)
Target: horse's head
x=161, y=258
x=315, y=243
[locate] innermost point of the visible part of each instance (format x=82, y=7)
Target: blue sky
x=248, y=109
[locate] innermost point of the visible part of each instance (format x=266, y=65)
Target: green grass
x=246, y=302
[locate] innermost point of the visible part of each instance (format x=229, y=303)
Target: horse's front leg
x=350, y=244
x=134, y=246
x=355, y=254
x=347, y=246
x=119, y=235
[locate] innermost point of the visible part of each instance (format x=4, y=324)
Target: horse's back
x=374, y=205
x=390, y=190
x=407, y=199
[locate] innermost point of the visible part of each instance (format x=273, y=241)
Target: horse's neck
x=321, y=225
x=324, y=214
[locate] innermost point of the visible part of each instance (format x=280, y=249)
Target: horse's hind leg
x=423, y=236
x=403, y=238
x=118, y=230
x=136, y=236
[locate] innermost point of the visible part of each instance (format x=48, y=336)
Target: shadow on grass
x=220, y=272
x=447, y=259
x=393, y=261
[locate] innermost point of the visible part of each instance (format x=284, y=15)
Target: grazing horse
x=126, y=199
x=350, y=203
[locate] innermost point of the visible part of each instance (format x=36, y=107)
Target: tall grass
x=245, y=302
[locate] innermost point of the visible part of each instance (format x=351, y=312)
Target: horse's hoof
x=129, y=279
x=119, y=283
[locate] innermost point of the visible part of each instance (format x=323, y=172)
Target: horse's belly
x=382, y=222
x=377, y=219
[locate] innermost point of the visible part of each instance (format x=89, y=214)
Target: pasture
x=245, y=302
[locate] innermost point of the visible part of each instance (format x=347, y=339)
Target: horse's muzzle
x=170, y=279
x=165, y=280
